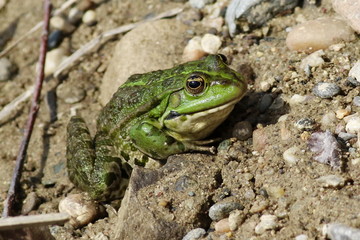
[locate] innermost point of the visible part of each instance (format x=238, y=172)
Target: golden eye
x=195, y=84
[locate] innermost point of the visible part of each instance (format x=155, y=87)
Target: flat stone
x=219, y=211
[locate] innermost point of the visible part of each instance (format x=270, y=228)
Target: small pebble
x=326, y=90
x=81, y=210
x=275, y=191
x=313, y=60
x=62, y=24
x=337, y=47
x=353, y=125
x=222, y=210
x=259, y=206
x=318, y=34
x=242, y=130
x=30, y=203
x=346, y=136
x=236, y=218
x=355, y=73
x=6, y=69
x=331, y=181
x=189, y=16
x=349, y=9
x=277, y=104
x=297, y=99
x=341, y=113
x=199, y=3
x=196, y=233
x=215, y=23
x=222, y=226
x=55, y=38
x=53, y=60
x=265, y=86
x=356, y=101
x=84, y=5
x=301, y=237
x=260, y=139
x=355, y=161
x=193, y=50
x=267, y=222
x=337, y=231
x=70, y=94
x=305, y=124
x=265, y=102
x=328, y=119
x=89, y=17
x=75, y=15
x=211, y=43
x=291, y=155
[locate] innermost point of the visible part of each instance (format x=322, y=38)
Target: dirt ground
x=256, y=176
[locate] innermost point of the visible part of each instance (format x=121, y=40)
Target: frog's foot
x=195, y=147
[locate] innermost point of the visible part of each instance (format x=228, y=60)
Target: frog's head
x=209, y=92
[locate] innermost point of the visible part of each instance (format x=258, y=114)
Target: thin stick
x=106, y=35
x=11, y=223
x=58, y=11
x=15, y=181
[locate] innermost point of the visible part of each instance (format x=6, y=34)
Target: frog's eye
x=195, y=84
x=223, y=58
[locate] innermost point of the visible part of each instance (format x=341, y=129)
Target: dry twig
x=14, y=185
x=11, y=223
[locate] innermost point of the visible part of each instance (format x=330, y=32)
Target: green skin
x=151, y=116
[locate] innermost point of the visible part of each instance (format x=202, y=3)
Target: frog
x=149, y=118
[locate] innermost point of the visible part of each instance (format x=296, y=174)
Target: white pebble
x=290, y=155
x=313, y=60
x=297, y=99
x=331, y=181
x=89, y=17
x=355, y=71
x=62, y=24
x=81, y=210
x=337, y=231
x=196, y=233
x=211, y=43
x=301, y=237
x=6, y=69
x=265, y=86
x=75, y=15
x=267, y=222
x=328, y=119
x=353, y=125
x=236, y=217
x=193, y=50
x=53, y=60
x=199, y=3
x=216, y=23
x=318, y=34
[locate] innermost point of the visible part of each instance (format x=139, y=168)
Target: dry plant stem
x=15, y=181
x=19, y=222
x=58, y=11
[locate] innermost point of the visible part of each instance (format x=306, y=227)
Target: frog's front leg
x=90, y=167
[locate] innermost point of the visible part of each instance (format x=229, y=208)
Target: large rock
x=168, y=202
x=151, y=46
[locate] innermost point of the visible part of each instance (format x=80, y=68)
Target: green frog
x=150, y=117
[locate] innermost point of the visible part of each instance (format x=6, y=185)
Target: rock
x=328, y=119
x=85, y=5
x=318, y=34
x=313, y=60
x=214, y=23
x=55, y=38
x=305, y=124
x=256, y=12
x=222, y=226
x=341, y=113
x=326, y=90
x=6, y=69
x=301, y=237
x=70, y=93
x=75, y=15
x=337, y=231
x=193, y=50
x=265, y=102
x=151, y=46
x=331, y=181
x=267, y=222
x=219, y=211
x=355, y=73
x=199, y=3
x=137, y=220
x=60, y=23
x=81, y=210
x=190, y=16
x=297, y=99
x=53, y=59
x=210, y=43
x=89, y=17
x=291, y=155
x=353, y=125
x=194, y=234
x=346, y=136
x=236, y=217
x=242, y=130
x=260, y=139
x=30, y=203
x=275, y=191
x=356, y=101
x=350, y=11
x=259, y=206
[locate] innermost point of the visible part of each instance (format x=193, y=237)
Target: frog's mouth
x=173, y=114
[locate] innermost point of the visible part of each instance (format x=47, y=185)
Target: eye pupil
x=194, y=84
